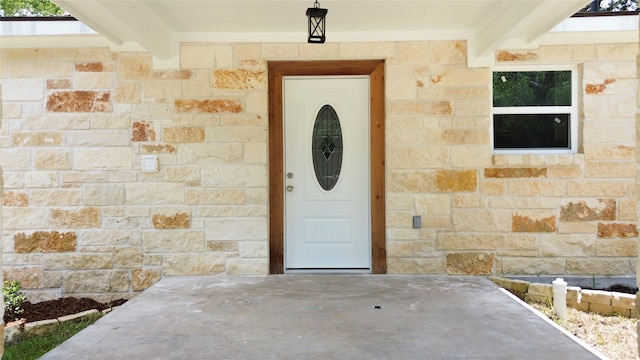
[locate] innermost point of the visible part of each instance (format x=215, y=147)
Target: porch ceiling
x=160, y=25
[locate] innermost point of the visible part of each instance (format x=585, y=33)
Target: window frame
x=572, y=110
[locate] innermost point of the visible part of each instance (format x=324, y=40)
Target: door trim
x=375, y=70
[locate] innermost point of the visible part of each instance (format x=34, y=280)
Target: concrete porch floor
x=322, y=317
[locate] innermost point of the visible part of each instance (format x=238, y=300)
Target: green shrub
x=13, y=299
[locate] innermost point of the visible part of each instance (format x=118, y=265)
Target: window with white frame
x=535, y=110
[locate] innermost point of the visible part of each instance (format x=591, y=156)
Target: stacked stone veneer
x=596, y=301
x=81, y=218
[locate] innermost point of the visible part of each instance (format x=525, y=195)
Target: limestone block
x=607, y=266
x=536, y=298
x=589, y=210
x=127, y=257
x=183, y=134
x=584, y=52
x=469, y=156
x=134, y=67
x=608, y=152
x=598, y=188
x=239, y=79
x=127, y=92
x=93, y=81
x=610, y=169
x=470, y=263
x=57, y=197
x=237, y=134
x=107, y=137
x=232, y=211
x=616, y=128
x=15, y=159
x=515, y=241
x=236, y=229
x=41, y=241
x=199, y=88
x=516, y=56
x=11, y=198
x=52, y=159
x=448, y=52
x=454, y=241
x=255, y=153
x=398, y=249
x=515, y=172
x=107, y=237
x=527, y=187
x=193, y=264
x=179, y=220
x=556, y=53
x=226, y=246
x=11, y=111
x=481, y=220
x=566, y=172
x=82, y=54
x=209, y=106
x=154, y=193
x=42, y=138
x=533, y=221
x=78, y=261
x=541, y=289
x=567, y=245
x=22, y=89
x=401, y=87
x=616, y=52
x=41, y=179
x=577, y=227
x=312, y=51
x=210, y=153
x=597, y=297
x=52, y=279
x=617, y=230
x=197, y=56
x=105, y=158
x=17, y=218
x=415, y=265
x=625, y=301
x=103, y=194
x=253, y=249
x=173, y=241
x=96, y=281
x=532, y=266
x=617, y=247
x=79, y=101
x=215, y=196
x=405, y=157
x=108, y=121
x=627, y=209
x=257, y=196
x=142, y=279
x=89, y=217
x=238, y=266
x=29, y=277
x=152, y=111
x=433, y=204
x=248, y=176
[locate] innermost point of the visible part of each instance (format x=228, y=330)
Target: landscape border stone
x=596, y=301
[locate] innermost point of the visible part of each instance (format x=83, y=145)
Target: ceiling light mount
x=317, y=24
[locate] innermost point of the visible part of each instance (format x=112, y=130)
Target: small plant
x=13, y=299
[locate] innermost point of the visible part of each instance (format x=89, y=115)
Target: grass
x=33, y=346
x=613, y=336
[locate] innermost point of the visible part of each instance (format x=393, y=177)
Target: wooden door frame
x=375, y=70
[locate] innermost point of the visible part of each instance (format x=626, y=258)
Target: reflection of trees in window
x=532, y=88
x=28, y=8
x=611, y=6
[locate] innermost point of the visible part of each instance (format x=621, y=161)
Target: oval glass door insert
x=326, y=147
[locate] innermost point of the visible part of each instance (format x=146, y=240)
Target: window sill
x=537, y=159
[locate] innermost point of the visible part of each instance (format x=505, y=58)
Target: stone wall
x=80, y=217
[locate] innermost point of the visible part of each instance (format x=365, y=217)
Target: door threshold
x=328, y=271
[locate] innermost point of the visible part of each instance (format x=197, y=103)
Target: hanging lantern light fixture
x=317, y=24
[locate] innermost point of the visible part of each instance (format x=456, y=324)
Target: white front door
x=327, y=216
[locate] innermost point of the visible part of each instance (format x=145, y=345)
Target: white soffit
x=159, y=26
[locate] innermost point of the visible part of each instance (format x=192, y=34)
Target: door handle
x=290, y=188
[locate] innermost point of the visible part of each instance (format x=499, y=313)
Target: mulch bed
x=53, y=309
